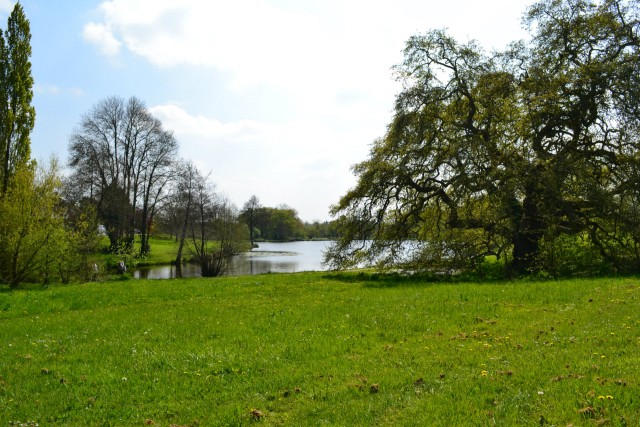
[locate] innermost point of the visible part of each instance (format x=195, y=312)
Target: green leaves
x=490, y=154
x=17, y=115
x=33, y=241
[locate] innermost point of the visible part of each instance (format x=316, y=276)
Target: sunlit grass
x=318, y=348
x=163, y=251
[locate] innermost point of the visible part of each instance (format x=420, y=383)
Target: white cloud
x=181, y=122
x=327, y=61
x=102, y=36
x=255, y=39
x=326, y=44
x=51, y=89
x=302, y=164
x=6, y=5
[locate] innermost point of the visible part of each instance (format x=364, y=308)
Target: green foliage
x=34, y=244
x=17, y=115
x=564, y=256
x=317, y=230
x=511, y=154
x=277, y=224
x=318, y=348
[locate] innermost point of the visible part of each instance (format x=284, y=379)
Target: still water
x=289, y=257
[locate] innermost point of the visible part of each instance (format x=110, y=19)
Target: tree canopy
x=17, y=115
x=525, y=154
x=277, y=224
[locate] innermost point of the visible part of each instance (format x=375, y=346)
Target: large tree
x=122, y=157
x=509, y=153
x=17, y=115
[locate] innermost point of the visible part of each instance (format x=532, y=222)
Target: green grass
x=163, y=251
x=322, y=349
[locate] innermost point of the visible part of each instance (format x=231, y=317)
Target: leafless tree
x=121, y=156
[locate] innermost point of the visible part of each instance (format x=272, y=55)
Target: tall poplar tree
x=17, y=115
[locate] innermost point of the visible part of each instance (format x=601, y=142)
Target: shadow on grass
x=371, y=279
x=390, y=280
x=5, y=289
x=35, y=287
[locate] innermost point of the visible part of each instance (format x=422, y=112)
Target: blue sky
x=277, y=98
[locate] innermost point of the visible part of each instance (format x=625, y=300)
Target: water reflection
x=166, y=271
x=269, y=257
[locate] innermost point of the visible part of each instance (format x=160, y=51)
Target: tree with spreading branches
x=530, y=154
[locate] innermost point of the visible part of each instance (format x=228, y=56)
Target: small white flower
x=540, y=392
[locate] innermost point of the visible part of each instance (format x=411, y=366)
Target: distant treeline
x=283, y=224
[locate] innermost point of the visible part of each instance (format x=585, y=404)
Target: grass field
x=322, y=349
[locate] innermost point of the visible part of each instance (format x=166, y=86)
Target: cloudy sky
x=276, y=98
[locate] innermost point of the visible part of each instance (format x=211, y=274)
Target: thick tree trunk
x=528, y=233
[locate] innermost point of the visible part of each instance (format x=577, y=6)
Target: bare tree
x=182, y=201
x=215, y=234
x=121, y=155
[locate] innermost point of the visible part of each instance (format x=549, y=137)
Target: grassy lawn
x=322, y=349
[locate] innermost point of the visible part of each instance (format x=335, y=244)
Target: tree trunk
x=144, y=236
x=529, y=232
x=183, y=232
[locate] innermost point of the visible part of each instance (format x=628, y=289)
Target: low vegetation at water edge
x=320, y=348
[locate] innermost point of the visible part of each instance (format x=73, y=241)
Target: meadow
x=322, y=349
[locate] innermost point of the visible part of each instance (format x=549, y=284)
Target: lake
x=268, y=257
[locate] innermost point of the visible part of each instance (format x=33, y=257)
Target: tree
x=321, y=230
x=280, y=224
x=507, y=153
x=17, y=115
x=249, y=215
x=156, y=172
x=214, y=231
x=122, y=156
x=189, y=181
x=34, y=243
x=285, y=225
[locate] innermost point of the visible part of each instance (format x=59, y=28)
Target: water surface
x=268, y=257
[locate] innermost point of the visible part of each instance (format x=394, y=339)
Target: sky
x=273, y=98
